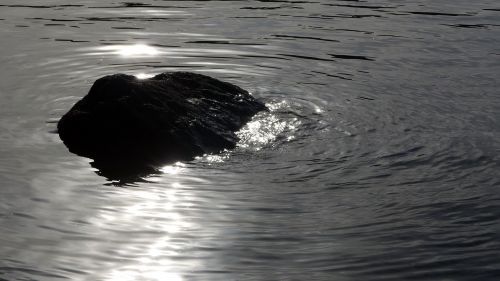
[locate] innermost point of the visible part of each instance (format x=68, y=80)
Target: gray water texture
x=378, y=161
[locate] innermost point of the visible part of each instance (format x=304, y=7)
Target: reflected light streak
x=260, y=132
x=216, y=158
x=143, y=75
x=143, y=50
x=132, y=50
x=173, y=169
x=151, y=214
x=264, y=128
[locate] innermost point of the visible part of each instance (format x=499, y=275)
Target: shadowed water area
x=378, y=160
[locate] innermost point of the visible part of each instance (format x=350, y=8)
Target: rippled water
x=379, y=161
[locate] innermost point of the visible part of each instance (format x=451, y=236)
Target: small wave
x=266, y=127
x=286, y=121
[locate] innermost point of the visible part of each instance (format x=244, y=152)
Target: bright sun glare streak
x=132, y=50
x=143, y=75
x=156, y=213
x=173, y=169
x=266, y=128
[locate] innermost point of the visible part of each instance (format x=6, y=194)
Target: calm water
x=379, y=160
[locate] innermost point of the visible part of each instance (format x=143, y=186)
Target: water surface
x=378, y=161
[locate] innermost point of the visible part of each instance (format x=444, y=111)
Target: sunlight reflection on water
x=170, y=58
x=143, y=75
x=141, y=49
x=173, y=169
x=131, y=50
x=153, y=259
x=386, y=177
x=266, y=127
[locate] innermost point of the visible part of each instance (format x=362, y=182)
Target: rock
x=170, y=117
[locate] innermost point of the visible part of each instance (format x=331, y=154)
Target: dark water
x=379, y=161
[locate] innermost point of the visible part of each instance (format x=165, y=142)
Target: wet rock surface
x=174, y=116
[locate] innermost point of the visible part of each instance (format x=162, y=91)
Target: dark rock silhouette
x=129, y=122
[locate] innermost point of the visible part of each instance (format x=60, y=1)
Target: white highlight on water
x=131, y=50
x=143, y=75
